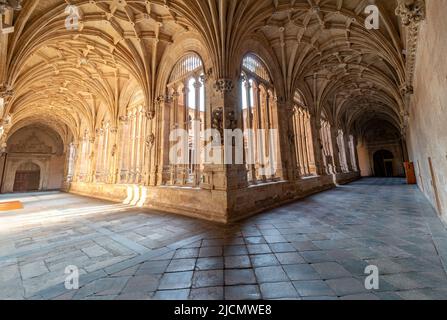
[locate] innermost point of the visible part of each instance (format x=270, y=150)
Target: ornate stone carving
x=205, y=77
x=224, y=85
x=10, y=5
x=6, y=121
x=411, y=11
x=231, y=121
x=3, y=147
x=406, y=90
x=150, y=114
x=217, y=120
x=150, y=140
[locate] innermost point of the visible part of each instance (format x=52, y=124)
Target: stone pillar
x=249, y=125
x=334, y=134
x=184, y=123
x=318, y=146
x=151, y=144
x=92, y=157
x=197, y=132
x=67, y=157
x=163, y=143
x=226, y=176
x=357, y=162
x=174, y=125
x=286, y=137
x=348, y=152
x=75, y=161
x=113, y=161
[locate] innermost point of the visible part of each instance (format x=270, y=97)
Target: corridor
x=316, y=248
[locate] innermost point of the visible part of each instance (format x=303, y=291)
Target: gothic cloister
x=223, y=149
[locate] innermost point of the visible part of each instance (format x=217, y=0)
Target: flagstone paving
x=317, y=248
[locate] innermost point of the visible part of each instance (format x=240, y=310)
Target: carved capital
x=205, y=77
x=411, y=11
x=10, y=5
x=224, y=85
x=161, y=99
x=150, y=114
x=114, y=148
x=6, y=121
x=150, y=140
x=113, y=129
x=6, y=92
x=406, y=89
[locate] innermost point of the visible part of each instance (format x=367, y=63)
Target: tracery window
x=259, y=122
x=328, y=149
x=187, y=89
x=304, y=150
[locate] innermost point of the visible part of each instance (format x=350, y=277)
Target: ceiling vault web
x=65, y=77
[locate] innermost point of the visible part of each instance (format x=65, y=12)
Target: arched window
x=259, y=116
x=328, y=149
x=304, y=150
x=187, y=89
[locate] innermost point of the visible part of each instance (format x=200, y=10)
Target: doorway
x=27, y=178
x=383, y=164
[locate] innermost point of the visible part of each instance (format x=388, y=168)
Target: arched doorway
x=383, y=164
x=27, y=178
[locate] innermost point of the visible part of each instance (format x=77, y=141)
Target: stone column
x=318, y=146
x=92, y=158
x=348, y=152
x=288, y=142
x=113, y=161
x=249, y=126
x=163, y=144
x=334, y=134
x=197, y=132
x=174, y=125
x=224, y=100
x=152, y=144
x=356, y=154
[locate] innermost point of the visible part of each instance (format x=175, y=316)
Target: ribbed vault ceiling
x=63, y=78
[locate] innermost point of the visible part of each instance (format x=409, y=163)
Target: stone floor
x=316, y=248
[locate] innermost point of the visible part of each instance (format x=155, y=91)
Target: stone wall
x=37, y=146
x=427, y=135
x=213, y=205
x=364, y=160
